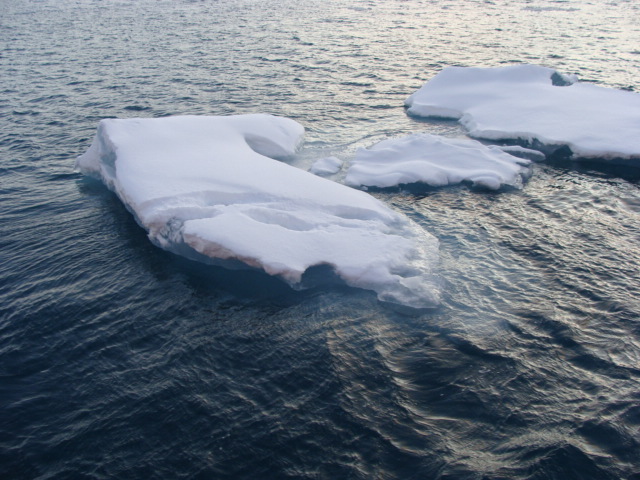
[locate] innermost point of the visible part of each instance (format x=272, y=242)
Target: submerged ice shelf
x=535, y=105
x=210, y=188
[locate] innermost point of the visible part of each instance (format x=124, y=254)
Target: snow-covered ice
x=518, y=151
x=326, y=166
x=436, y=161
x=210, y=188
x=534, y=104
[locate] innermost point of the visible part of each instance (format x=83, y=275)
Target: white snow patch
x=326, y=166
x=205, y=188
x=436, y=161
x=532, y=104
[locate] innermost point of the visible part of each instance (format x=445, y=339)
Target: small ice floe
x=211, y=189
x=326, y=166
x=518, y=151
x=436, y=161
x=535, y=105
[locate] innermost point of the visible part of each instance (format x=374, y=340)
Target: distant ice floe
x=436, y=161
x=326, y=166
x=209, y=188
x=533, y=104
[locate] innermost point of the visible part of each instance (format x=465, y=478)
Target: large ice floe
x=437, y=161
x=535, y=105
x=211, y=189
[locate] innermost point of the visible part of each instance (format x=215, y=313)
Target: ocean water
x=120, y=360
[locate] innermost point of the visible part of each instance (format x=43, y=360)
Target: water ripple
x=119, y=360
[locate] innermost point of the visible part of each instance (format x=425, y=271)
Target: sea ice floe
x=326, y=166
x=210, y=188
x=533, y=104
x=518, y=151
x=436, y=161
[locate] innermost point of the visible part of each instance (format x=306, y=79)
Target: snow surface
x=326, y=166
x=205, y=188
x=534, y=104
x=436, y=161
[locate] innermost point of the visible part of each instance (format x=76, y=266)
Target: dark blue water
x=119, y=360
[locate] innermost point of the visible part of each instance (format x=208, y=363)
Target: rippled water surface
x=119, y=360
